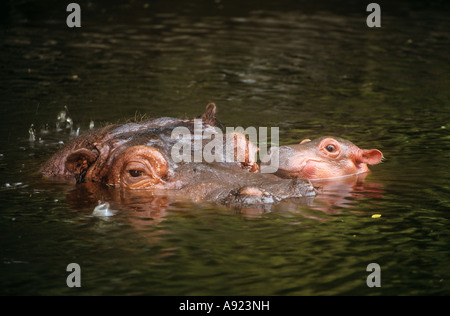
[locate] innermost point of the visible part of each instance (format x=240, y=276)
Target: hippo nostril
x=249, y=196
x=251, y=191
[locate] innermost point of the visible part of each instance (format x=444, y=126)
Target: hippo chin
x=325, y=158
x=139, y=156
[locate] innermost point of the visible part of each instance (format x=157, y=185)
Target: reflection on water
x=102, y=200
x=312, y=69
x=343, y=192
x=333, y=197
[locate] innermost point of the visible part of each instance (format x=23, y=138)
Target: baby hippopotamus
x=140, y=156
x=325, y=158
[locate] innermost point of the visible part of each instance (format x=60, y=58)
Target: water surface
x=310, y=69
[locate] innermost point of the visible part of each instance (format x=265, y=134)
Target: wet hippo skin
x=138, y=156
x=325, y=158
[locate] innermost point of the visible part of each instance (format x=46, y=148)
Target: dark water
x=310, y=69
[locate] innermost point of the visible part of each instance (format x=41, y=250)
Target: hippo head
x=141, y=155
x=325, y=158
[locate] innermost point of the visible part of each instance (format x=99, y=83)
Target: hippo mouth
x=307, y=167
x=310, y=168
x=304, y=168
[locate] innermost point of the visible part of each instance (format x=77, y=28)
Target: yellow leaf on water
x=376, y=215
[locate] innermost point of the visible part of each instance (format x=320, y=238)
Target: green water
x=309, y=69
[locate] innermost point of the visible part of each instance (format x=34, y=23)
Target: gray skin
x=230, y=185
x=137, y=157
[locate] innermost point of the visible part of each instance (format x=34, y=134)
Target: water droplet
x=69, y=122
x=61, y=116
x=45, y=129
x=32, y=133
x=103, y=210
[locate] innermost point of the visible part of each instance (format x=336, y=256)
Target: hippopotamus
x=324, y=158
x=140, y=156
x=336, y=167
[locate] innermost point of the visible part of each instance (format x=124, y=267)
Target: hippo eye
x=330, y=148
x=136, y=173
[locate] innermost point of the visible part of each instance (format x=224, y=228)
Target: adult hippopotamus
x=140, y=156
x=324, y=158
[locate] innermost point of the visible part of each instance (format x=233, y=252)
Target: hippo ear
x=242, y=151
x=78, y=163
x=305, y=141
x=209, y=117
x=371, y=157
